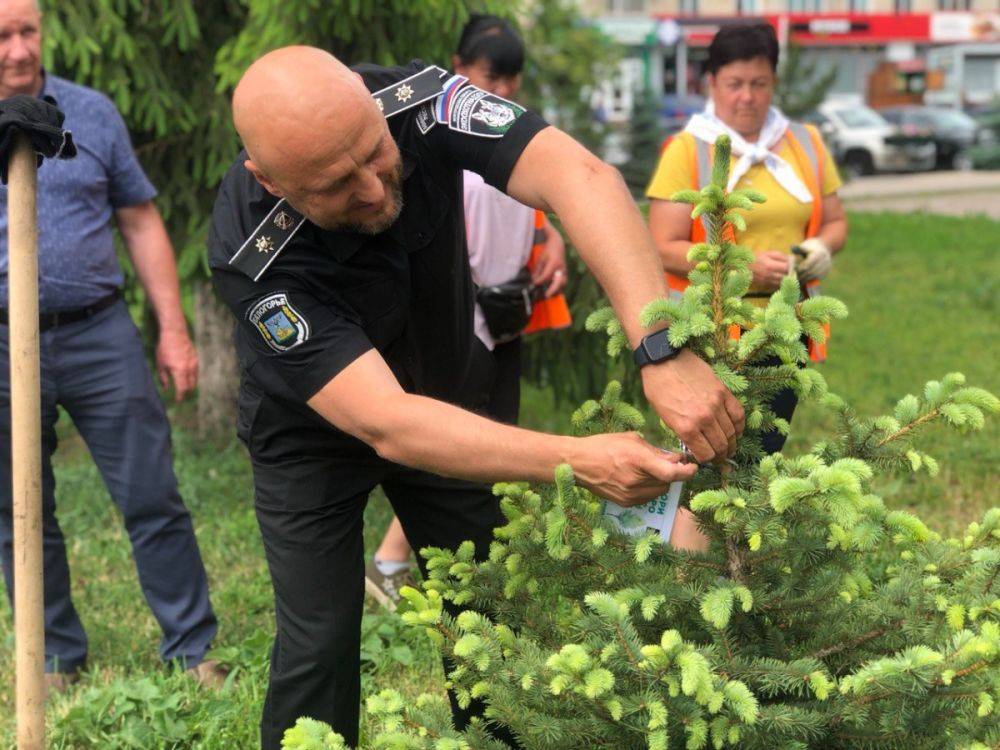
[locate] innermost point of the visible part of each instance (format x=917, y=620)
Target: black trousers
x=783, y=404
x=310, y=503
x=505, y=394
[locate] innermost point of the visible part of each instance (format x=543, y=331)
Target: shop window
x=747, y=7
x=806, y=6
x=902, y=6
x=687, y=7
x=954, y=4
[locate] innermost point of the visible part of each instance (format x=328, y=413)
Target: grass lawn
x=923, y=293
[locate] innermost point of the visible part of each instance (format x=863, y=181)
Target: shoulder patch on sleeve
x=443, y=103
x=481, y=113
x=280, y=324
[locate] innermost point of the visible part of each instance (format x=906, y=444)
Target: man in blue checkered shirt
x=93, y=365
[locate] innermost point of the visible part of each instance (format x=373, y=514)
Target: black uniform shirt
x=329, y=297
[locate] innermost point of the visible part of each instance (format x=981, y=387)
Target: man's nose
x=17, y=49
x=372, y=189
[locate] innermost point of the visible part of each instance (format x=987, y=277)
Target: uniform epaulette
x=411, y=91
x=271, y=236
x=268, y=240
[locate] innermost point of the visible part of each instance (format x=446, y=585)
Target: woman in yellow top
x=785, y=161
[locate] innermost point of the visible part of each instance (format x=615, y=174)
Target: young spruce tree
x=818, y=618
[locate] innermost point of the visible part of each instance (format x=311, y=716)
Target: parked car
x=863, y=142
x=986, y=153
x=952, y=131
x=676, y=110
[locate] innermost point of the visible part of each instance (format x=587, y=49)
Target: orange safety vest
x=808, y=150
x=551, y=313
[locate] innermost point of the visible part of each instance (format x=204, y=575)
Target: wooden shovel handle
x=26, y=450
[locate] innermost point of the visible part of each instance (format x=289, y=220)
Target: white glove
x=817, y=262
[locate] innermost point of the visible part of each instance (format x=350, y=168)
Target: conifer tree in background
x=801, y=86
x=818, y=618
x=645, y=135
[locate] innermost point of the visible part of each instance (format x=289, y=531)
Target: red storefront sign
x=811, y=29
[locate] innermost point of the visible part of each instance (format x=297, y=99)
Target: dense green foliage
x=882, y=281
x=818, y=617
x=170, y=68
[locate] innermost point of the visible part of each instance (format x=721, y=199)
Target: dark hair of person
x=743, y=42
x=492, y=39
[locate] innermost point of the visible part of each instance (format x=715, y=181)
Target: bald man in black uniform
x=338, y=242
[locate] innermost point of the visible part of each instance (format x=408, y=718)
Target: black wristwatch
x=654, y=348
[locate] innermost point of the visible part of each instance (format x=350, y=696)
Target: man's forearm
x=153, y=257
x=599, y=215
x=444, y=439
x=366, y=401
x=597, y=211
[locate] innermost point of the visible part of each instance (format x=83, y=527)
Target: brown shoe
x=209, y=674
x=385, y=589
x=59, y=682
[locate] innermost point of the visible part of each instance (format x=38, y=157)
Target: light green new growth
x=817, y=619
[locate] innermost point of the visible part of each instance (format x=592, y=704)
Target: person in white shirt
x=501, y=234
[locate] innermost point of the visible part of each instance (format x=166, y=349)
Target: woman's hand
x=769, y=269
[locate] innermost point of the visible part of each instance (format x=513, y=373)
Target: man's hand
x=177, y=360
x=694, y=404
x=550, y=271
x=769, y=269
x=627, y=470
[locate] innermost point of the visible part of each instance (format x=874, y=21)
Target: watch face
x=658, y=346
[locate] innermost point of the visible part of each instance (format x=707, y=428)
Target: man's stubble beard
x=395, y=189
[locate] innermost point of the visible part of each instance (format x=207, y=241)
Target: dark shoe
x=385, y=589
x=209, y=674
x=59, y=682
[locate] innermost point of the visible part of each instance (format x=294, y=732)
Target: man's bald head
x=310, y=126
x=296, y=103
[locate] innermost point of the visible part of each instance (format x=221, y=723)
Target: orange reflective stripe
x=549, y=313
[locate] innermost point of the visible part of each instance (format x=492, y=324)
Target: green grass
x=923, y=297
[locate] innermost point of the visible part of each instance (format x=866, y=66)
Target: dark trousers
x=310, y=499
x=783, y=404
x=505, y=393
x=96, y=370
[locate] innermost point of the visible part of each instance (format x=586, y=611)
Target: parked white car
x=863, y=142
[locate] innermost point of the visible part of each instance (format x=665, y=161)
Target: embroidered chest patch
x=280, y=324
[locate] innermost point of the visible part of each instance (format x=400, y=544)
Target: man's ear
x=456, y=63
x=263, y=179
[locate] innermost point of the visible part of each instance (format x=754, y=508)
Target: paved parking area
x=953, y=193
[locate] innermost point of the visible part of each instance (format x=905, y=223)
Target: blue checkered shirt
x=77, y=263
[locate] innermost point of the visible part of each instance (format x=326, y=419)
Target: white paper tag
x=657, y=515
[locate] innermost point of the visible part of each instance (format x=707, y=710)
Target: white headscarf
x=706, y=126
